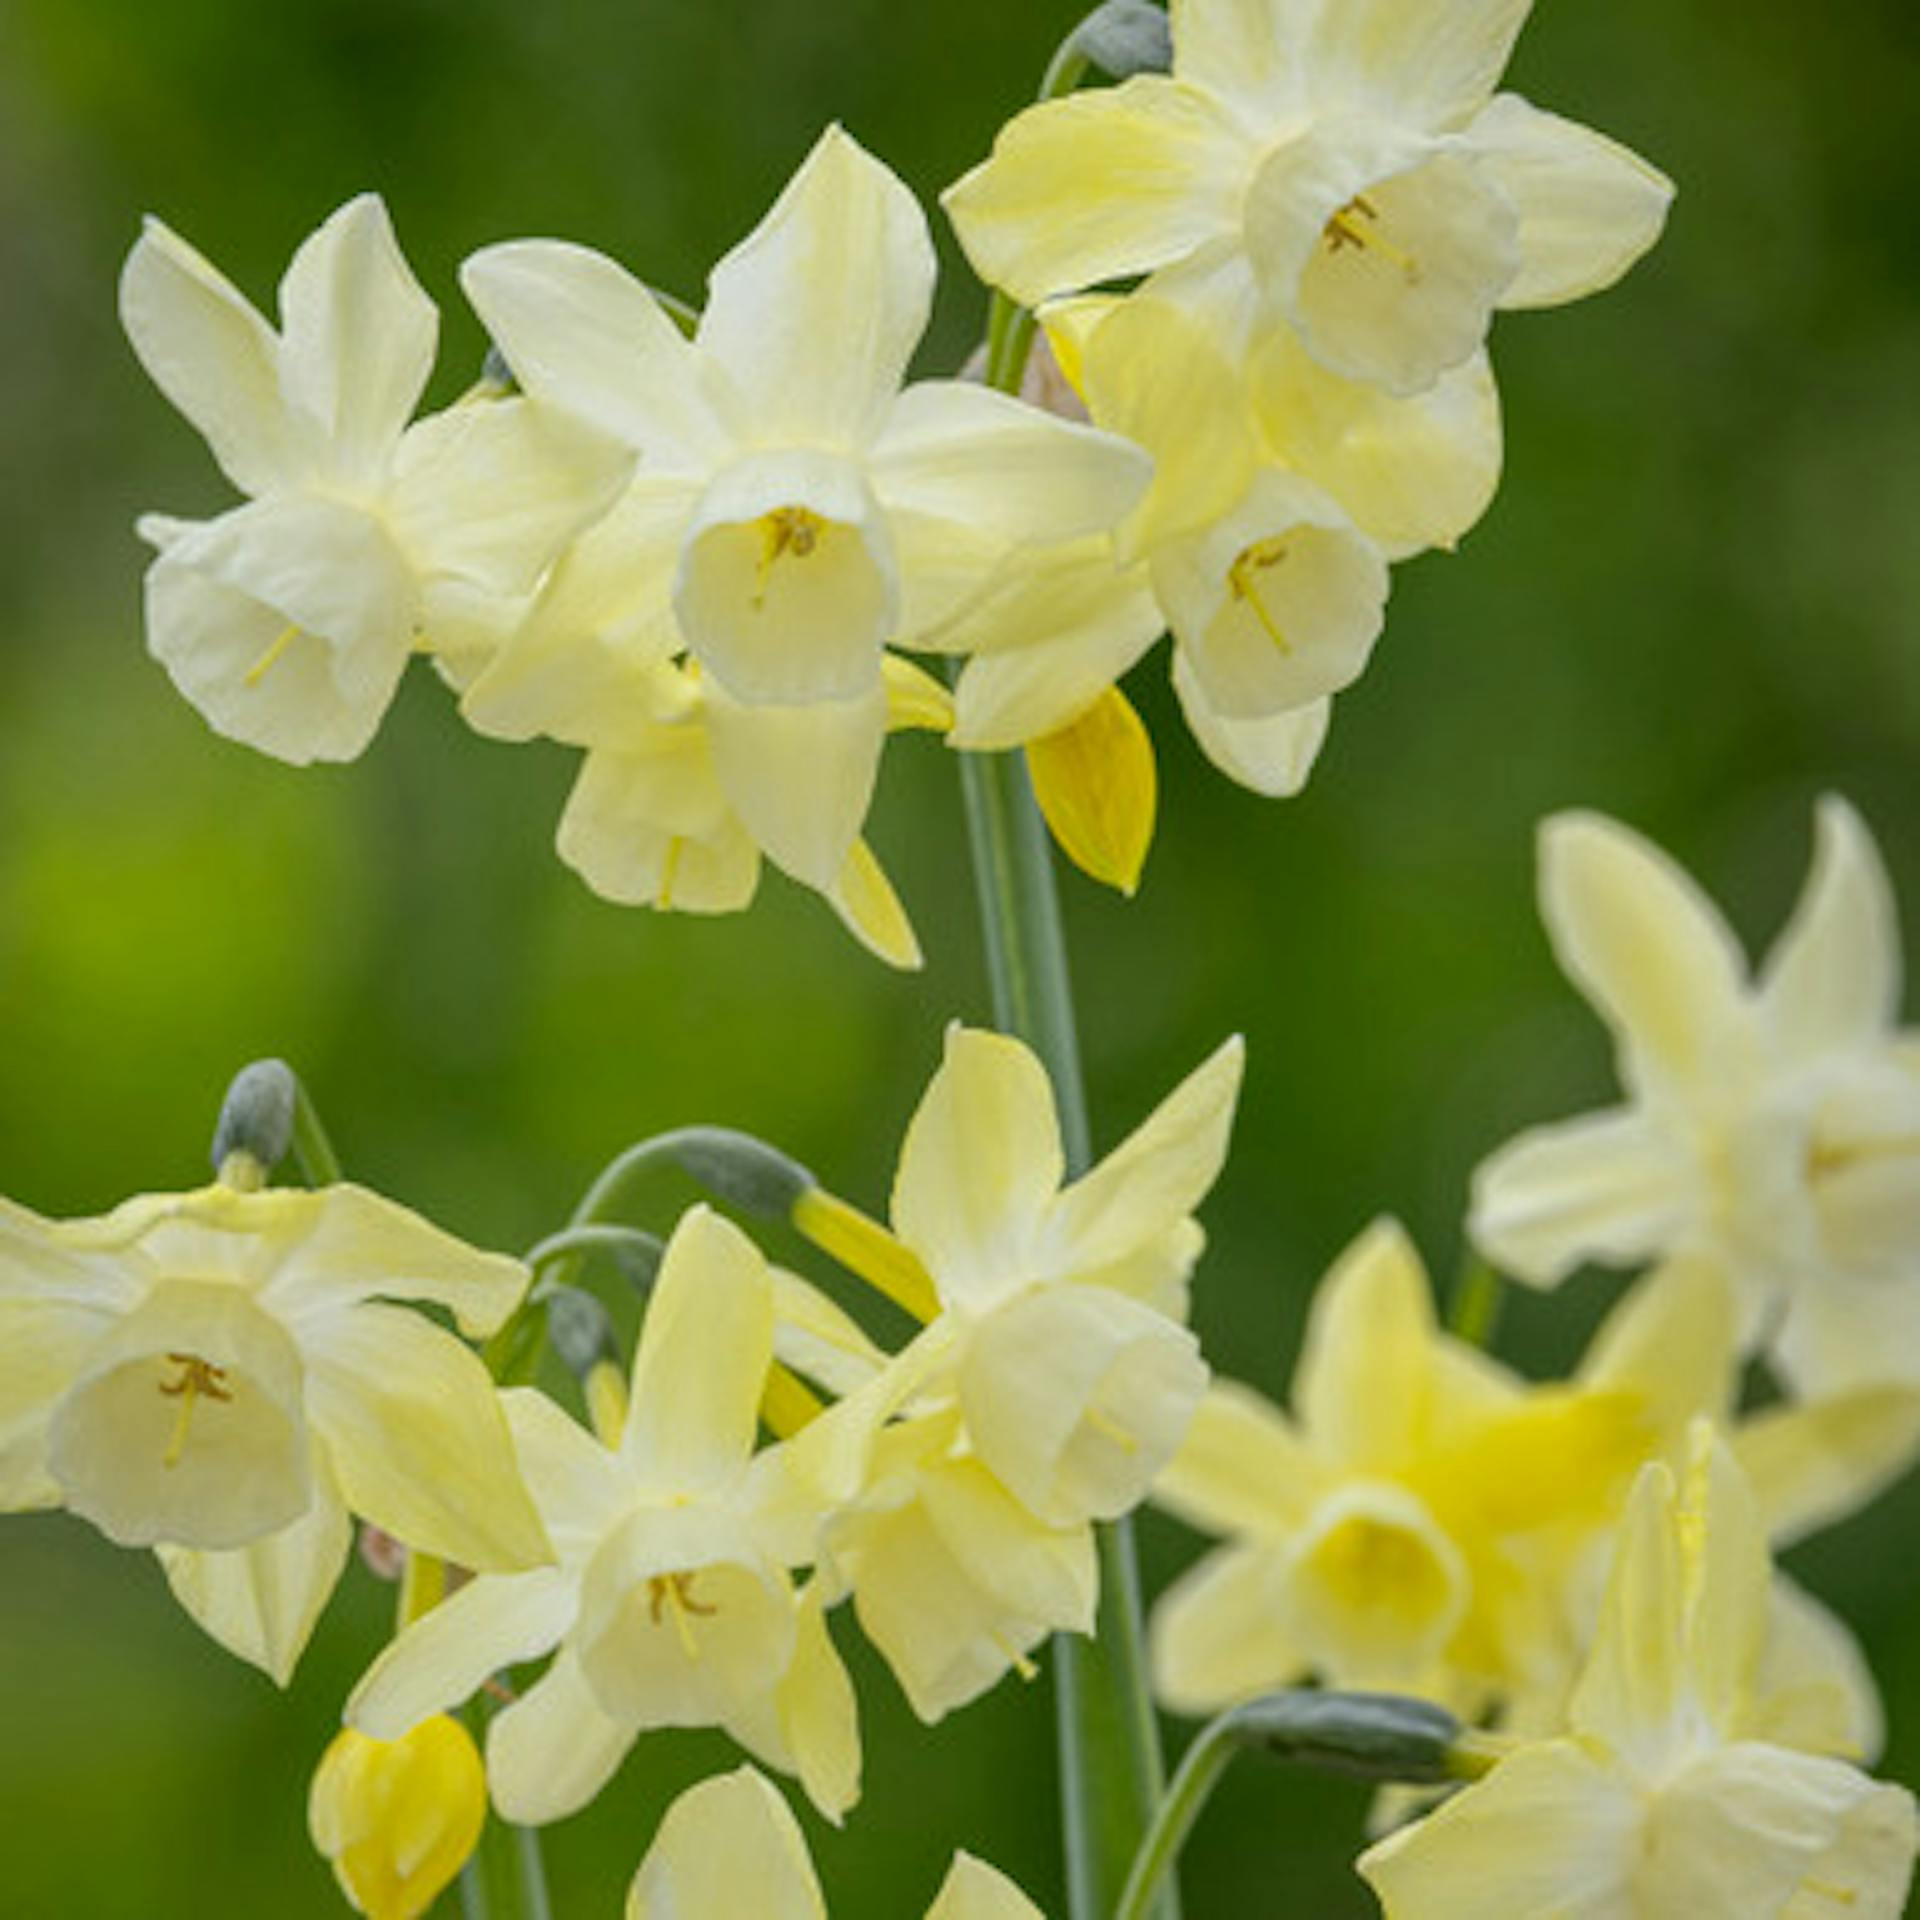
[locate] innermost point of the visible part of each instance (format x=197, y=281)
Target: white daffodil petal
x=956, y=451
x=288, y=623
x=1171, y=168
x=554, y=1749
x=579, y=1488
x=1041, y=1573
x=357, y=335
x=1614, y=1187
x=973, y=1890
x=810, y=1724
x=1217, y=1635
x=1156, y=1176
x=816, y=313
x=1812, y=1463
x=1242, y=1467
x=980, y=1163
x=44, y=1346
x=1246, y=52
x=262, y=1601
x=1813, y=1689
x=728, y=1847
x=582, y=334
x=1641, y=941
x=800, y=778
x=489, y=1624
x=1273, y=754
x=1428, y=62
x=212, y=355
x=1588, y=207
x=417, y=1436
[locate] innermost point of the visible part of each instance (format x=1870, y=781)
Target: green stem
x=1110, y=1766
x=506, y=1879
x=1473, y=1314
x=1212, y=1751
x=319, y=1164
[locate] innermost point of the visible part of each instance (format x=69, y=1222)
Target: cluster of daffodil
x=693, y=545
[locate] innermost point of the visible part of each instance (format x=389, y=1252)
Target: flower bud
x=743, y=1171
x=1368, y=1736
x=256, y=1117
x=580, y=1330
x=398, y=1818
x=1125, y=37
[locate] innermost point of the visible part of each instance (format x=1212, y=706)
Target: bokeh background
x=1694, y=606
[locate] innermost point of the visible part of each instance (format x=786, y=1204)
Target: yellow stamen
x=1243, y=577
x=786, y=530
x=866, y=1248
x=1345, y=230
x=1019, y=1661
x=1825, y=1160
x=673, y=1593
x=1826, y=1890
x=1109, y=1428
x=260, y=668
x=197, y=1377
x=670, y=871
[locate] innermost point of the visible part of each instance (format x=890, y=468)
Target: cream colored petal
x=65, y=1264
x=340, y=1245
x=1247, y=52
x=705, y=1347
x=956, y=451
x=582, y=334
x=915, y=699
x=810, y=1724
x=1845, y=1336
x=1159, y=1272
x=1361, y=1383
x=801, y=778
x=1642, y=942
x=816, y=313
x=1728, y=1573
x=868, y=907
x=418, y=1438
x=578, y=1486
x=262, y=1601
x=1413, y=472
x=1077, y=1397
x=1242, y=1467
x=1833, y=978
x=489, y=1624
x=1104, y=183
x=788, y=584
x=1672, y=1341
x=973, y=1890
x=1427, y=62
x=554, y=1749
x=212, y=355
x=1616, y=1187
x=287, y=623
x=357, y=336
x=1217, y=1635
x=979, y=1166
x=1588, y=207
x=727, y=1848
x=492, y=490
x=44, y=1348
x=1272, y=754
x=1156, y=1176
x=1871, y=1860
x=1041, y=1573
x=815, y=1336
x=1813, y=1690
x=1550, y=1831
x=1812, y=1463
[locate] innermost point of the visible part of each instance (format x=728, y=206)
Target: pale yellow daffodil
x=1384, y=1535
x=1773, y=1124
x=795, y=510
x=730, y=1847
x=219, y=1375
x=1338, y=169
x=671, y=1604
x=288, y=621
x=1687, y=1784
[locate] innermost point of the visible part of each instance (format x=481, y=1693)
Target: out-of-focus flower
x=671, y=1604
x=1773, y=1125
x=288, y=621
x=730, y=1847
x=220, y=1375
x=1341, y=171
x=398, y=1819
x=1686, y=1784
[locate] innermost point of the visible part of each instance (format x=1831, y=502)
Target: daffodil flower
x=671, y=1604
x=1343, y=171
x=1684, y=1783
x=1772, y=1125
x=795, y=510
x=1380, y=1537
x=219, y=1375
x=288, y=621
x=731, y=1846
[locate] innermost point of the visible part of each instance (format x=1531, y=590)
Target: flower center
x=672, y=1593
x=785, y=531
x=1243, y=578
x=1357, y=225
x=197, y=1377
x=265, y=664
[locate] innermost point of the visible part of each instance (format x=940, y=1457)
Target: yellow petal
x=1096, y=783
x=727, y=1848
x=553, y=1750
x=1217, y=1636
x=914, y=697
x=1242, y=1467
x=973, y=1890
x=864, y=899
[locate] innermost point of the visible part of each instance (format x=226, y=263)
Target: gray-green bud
x=256, y=1117
x=1370, y=1736
x=1125, y=37
x=580, y=1330
x=743, y=1171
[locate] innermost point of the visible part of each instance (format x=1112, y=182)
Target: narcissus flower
x=671, y=1604
x=1685, y=1784
x=1387, y=1534
x=289, y=621
x=731, y=1847
x=398, y=1819
x=219, y=1375
x=1773, y=1125
x=795, y=510
x=1342, y=171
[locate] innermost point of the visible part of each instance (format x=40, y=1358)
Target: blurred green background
x=1693, y=605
